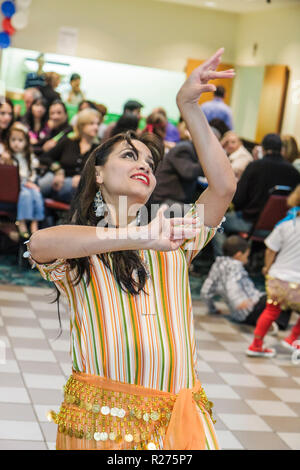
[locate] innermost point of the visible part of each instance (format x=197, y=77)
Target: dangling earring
x=99, y=204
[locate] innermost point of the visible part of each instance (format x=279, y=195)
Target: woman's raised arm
x=214, y=161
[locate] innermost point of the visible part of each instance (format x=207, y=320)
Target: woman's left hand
x=31, y=185
x=197, y=82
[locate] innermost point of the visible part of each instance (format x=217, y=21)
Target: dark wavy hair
x=4, y=132
x=29, y=118
x=121, y=263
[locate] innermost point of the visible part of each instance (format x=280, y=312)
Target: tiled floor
x=256, y=401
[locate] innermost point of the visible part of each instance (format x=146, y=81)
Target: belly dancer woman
x=134, y=384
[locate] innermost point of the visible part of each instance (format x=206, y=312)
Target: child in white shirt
x=282, y=267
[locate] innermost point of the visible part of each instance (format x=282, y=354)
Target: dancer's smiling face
x=128, y=171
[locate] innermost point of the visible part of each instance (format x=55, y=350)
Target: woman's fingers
x=184, y=233
x=214, y=59
x=182, y=220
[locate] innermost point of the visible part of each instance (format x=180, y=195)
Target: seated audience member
x=253, y=189
x=52, y=80
x=85, y=104
x=36, y=120
x=184, y=133
x=176, y=179
x=68, y=157
x=6, y=120
x=131, y=106
x=58, y=124
x=127, y=122
x=172, y=133
x=36, y=79
x=296, y=164
x=75, y=95
x=156, y=123
x=217, y=109
x=239, y=157
x=220, y=126
x=290, y=151
x=282, y=268
x=30, y=206
x=29, y=95
x=102, y=109
x=229, y=279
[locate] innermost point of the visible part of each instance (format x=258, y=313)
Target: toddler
x=229, y=279
x=30, y=203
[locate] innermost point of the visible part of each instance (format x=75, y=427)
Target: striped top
x=146, y=339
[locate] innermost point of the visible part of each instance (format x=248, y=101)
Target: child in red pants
x=282, y=267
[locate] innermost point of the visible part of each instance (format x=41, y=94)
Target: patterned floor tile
x=292, y=439
x=20, y=430
x=49, y=382
x=283, y=424
x=287, y=394
x=228, y=441
x=220, y=391
x=256, y=403
x=243, y=380
x=244, y=422
x=11, y=380
x=217, y=356
x=22, y=445
x=260, y=440
x=17, y=412
x=13, y=395
x=266, y=369
x=270, y=408
x=36, y=355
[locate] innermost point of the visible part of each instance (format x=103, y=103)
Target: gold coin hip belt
x=114, y=419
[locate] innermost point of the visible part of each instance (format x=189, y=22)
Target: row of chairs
x=9, y=194
x=274, y=210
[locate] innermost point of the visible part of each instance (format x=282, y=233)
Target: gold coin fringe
x=116, y=418
x=283, y=293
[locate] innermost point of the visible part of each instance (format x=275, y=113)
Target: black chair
x=9, y=194
x=274, y=210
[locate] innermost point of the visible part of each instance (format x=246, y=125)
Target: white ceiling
x=236, y=6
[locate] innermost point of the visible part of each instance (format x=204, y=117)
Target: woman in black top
x=66, y=160
x=6, y=120
x=36, y=120
x=58, y=123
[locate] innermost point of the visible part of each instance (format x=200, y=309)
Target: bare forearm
x=270, y=256
x=70, y=241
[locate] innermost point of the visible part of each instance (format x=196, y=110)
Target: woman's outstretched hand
x=197, y=82
x=166, y=234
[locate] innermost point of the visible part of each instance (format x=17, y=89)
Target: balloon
x=19, y=20
x=8, y=9
x=7, y=27
x=23, y=4
x=4, y=40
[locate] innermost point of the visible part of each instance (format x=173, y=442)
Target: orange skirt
x=99, y=413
